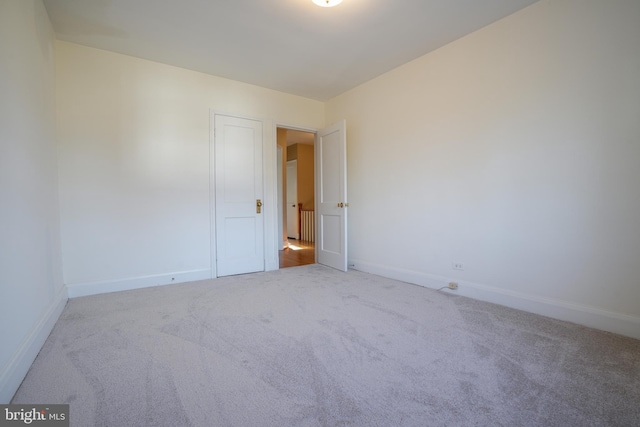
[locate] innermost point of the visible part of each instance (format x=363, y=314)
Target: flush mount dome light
x=327, y=3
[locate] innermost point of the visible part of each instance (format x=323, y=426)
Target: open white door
x=331, y=179
x=239, y=194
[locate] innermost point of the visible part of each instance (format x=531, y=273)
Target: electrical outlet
x=457, y=266
x=453, y=285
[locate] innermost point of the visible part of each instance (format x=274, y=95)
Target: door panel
x=238, y=184
x=331, y=241
x=331, y=168
x=240, y=230
x=331, y=155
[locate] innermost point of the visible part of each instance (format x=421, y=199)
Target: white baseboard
x=13, y=374
x=583, y=315
x=106, y=286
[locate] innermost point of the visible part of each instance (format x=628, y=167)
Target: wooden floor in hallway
x=299, y=252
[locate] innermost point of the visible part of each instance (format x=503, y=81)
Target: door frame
x=314, y=131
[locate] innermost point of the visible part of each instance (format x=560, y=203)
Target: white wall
x=516, y=151
x=32, y=294
x=134, y=165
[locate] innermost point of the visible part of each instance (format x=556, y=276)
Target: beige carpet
x=310, y=346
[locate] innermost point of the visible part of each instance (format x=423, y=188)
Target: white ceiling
x=291, y=46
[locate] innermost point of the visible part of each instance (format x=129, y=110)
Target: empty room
x=466, y=187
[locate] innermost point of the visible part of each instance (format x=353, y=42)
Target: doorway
x=296, y=163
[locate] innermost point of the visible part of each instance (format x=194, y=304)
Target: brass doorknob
x=341, y=205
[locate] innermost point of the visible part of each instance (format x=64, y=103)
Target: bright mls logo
x=34, y=415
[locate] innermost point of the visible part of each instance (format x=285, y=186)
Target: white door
x=292, y=200
x=331, y=179
x=239, y=193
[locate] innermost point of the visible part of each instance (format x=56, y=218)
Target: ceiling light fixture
x=327, y=3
